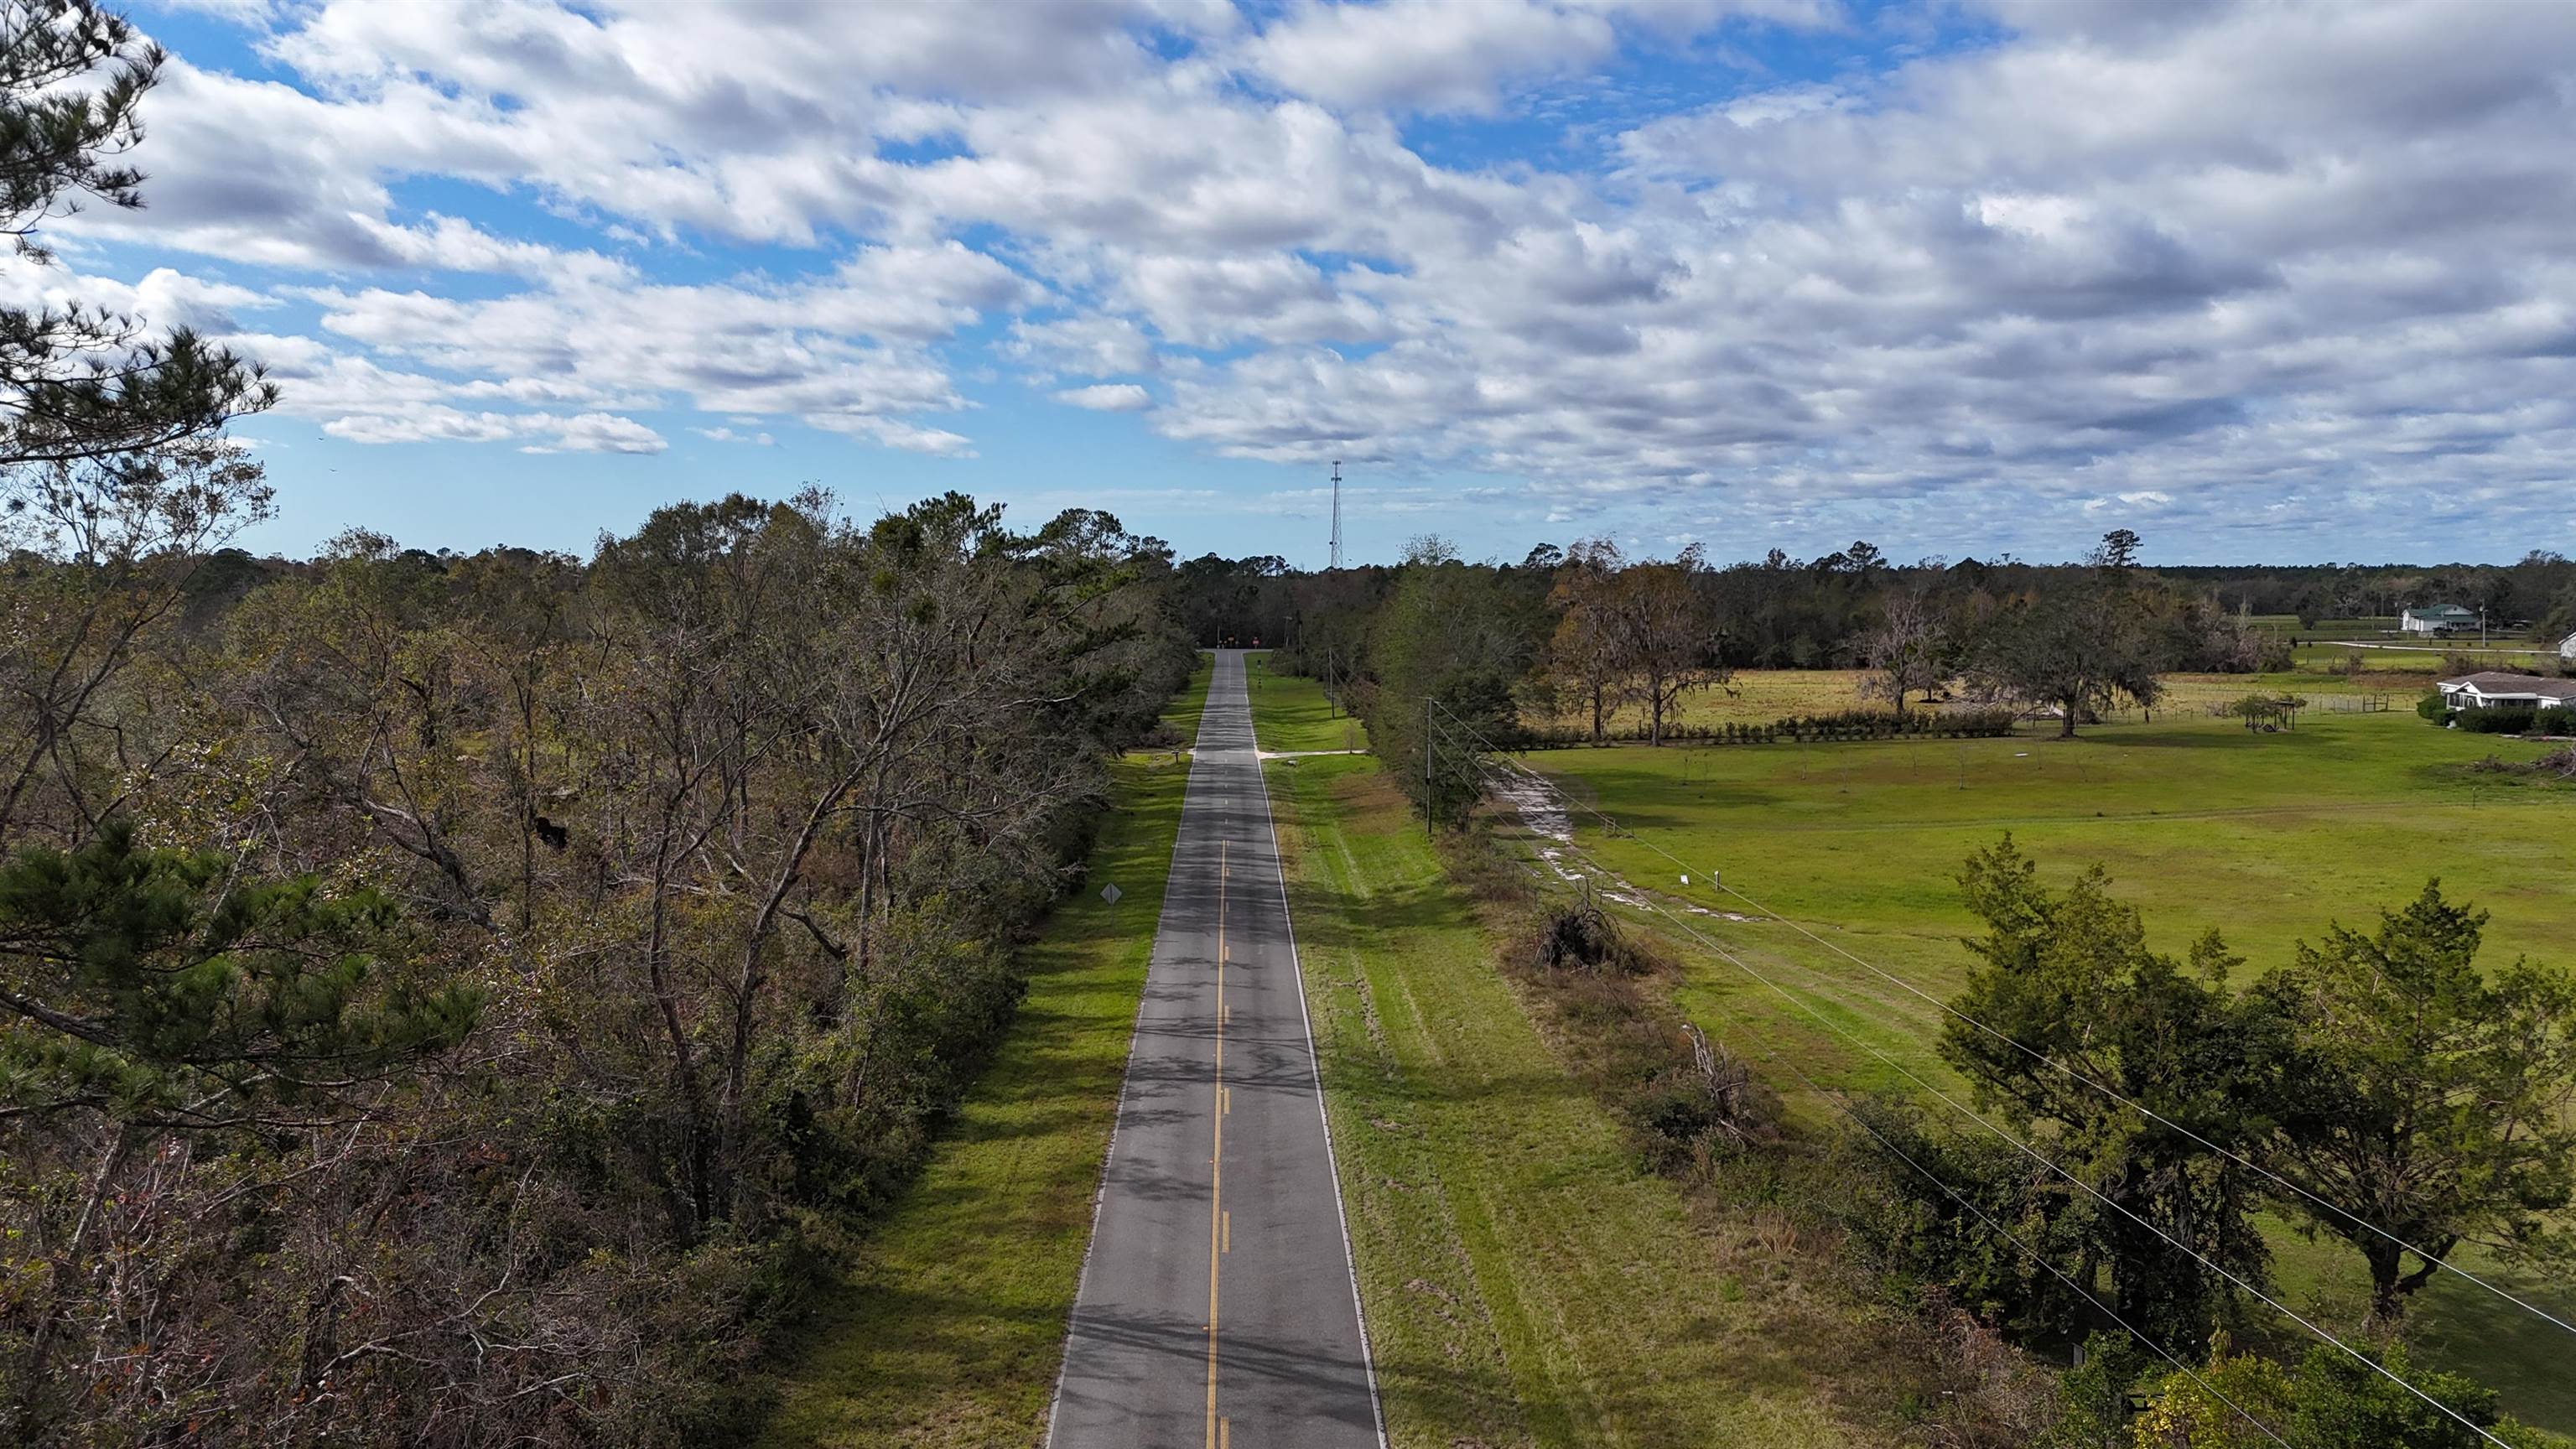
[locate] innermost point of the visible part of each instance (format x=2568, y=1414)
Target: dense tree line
x=447, y=994
x=456, y=999
x=1855, y=607
x=1582, y=636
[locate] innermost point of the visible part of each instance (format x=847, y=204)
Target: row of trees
x=1588, y=633
x=444, y=992
x=1780, y=612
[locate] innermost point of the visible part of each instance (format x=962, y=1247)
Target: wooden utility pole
x=1428, y=779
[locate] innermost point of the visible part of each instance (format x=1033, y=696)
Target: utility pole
x=1337, y=515
x=1426, y=765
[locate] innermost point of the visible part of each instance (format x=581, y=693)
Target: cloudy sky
x=2263, y=281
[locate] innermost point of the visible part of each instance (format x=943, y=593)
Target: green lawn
x=1759, y=696
x=1290, y=712
x=948, y=1328
x=1526, y=1281
x=2265, y=837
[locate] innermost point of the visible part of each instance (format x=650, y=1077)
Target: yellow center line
x=1216, y=1428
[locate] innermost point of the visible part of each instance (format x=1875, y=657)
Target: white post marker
x=1111, y=893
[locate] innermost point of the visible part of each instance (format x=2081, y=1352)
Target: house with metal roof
x=2438, y=619
x=2491, y=690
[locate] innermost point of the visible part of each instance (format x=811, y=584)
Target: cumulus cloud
x=429, y=422
x=1108, y=397
x=2106, y=259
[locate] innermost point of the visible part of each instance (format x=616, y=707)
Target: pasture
x=2391, y=677
x=2264, y=837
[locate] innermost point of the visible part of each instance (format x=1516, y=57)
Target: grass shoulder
x=1527, y=1277
x=1291, y=713
x=945, y=1326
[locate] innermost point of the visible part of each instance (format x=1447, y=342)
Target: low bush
x=2557, y=719
x=2434, y=707
x=1580, y=936
x=2502, y=721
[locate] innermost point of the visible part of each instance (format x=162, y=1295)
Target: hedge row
x=2555, y=720
x=1796, y=729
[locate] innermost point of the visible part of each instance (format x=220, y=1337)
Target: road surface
x=1217, y=1308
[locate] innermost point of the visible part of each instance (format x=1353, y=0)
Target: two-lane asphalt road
x=1217, y=1306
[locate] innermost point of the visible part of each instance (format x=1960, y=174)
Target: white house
x=2438, y=619
x=2567, y=648
x=2507, y=691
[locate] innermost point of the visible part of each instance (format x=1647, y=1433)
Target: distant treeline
x=1788, y=613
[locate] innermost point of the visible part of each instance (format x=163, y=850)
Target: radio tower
x=1337, y=513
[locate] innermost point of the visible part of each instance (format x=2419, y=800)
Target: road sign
x=1111, y=893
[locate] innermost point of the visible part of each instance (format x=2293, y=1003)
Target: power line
x=1718, y=881
x=1842, y=1104
x=2034, y=1154
x=2037, y=1055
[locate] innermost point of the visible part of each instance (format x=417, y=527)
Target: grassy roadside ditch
x=947, y=1324
x=1291, y=713
x=1530, y=1277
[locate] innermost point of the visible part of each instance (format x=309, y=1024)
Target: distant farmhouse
x=2567, y=648
x=2439, y=619
x=2507, y=691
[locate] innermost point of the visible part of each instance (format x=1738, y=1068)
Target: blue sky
x=2273, y=281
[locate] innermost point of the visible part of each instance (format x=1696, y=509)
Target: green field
x=2267, y=838
x=1760, y=696
x=947, y=1328
x=1290, y=712
x=1526, y=1281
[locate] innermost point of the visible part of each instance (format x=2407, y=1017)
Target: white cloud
x=597, y=433
x=2169, y=257
x=1108, y=397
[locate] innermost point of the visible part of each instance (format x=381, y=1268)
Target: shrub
x=1714, y=1100
x=1580, y=936
x=2505, y=721
x=2557, y=719
x=2434, y=707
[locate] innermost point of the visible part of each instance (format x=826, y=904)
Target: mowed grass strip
x=1526, y=1281
x=948, y=1327
x=2266, y=838
x=1182, y=714
x=1290, y=712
